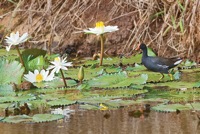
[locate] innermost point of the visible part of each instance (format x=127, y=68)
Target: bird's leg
x=171, y=76
x=161, y=77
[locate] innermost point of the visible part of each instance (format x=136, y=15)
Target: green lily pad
x=89, y=107
x=17, y=119
x=56, y=83
x=119, y=79
x=61, y=102
x=6, y=90
x=11, y=72
x=197, y=84
x=194, y=106
x=117, y=93
x=188, y=64
x=1, y=118
x=38, y=118
x=170, y=107
x=20, y=98
x=3, y=106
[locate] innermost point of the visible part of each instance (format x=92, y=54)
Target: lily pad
x=194, y=106
x=20, y=98
x=6, y=90
x=197, y=84
x=89, y=107
x=119, y=79
x=11, y=72
x=38, y=118
x=56, y=83
x=170, y=107
x=188, y=64
x=61, y=102
x=17, y=119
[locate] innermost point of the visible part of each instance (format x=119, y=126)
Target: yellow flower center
x=57, y=59
x=100, y=24
x=39, y=78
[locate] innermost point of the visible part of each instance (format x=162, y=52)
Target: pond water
x=119, y=121
x=131, y=119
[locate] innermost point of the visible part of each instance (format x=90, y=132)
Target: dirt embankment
x=170, y=27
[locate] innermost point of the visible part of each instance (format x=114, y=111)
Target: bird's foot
x=171, y=77
x=161, y=77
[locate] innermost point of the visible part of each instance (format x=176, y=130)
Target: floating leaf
x=89, y=107
x=17, y=119
x=136, y=68
x=194, y=106
x=20, y=98
x=177, y=75
x=119, y=79
x=189, y=63
x=11, y=72
x=38, y=118
x=120, y=92
x=56, y=83
x=170, y=107
x=197, y=84
x=6, y=90
x=1, y=118
x=84, y=87
x=61, y=102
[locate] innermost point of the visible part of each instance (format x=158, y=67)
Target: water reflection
x=118, y=121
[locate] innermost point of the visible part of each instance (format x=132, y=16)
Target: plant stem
x=63, y=78
x=102, y=50
x=20, y=56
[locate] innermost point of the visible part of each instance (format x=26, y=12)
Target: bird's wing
x=165, y=62
x=161, y=62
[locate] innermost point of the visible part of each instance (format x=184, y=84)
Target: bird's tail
x=179, y=60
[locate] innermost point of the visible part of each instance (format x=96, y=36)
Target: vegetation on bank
x=170, y=27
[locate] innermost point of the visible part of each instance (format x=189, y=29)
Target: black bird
x=158, y=64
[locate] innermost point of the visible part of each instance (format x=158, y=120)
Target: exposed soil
x=170, y=27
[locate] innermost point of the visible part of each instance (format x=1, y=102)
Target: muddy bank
x=170, y=27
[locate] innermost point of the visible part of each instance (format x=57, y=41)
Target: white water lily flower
x=39, y=76
x=101, y=29
x=14, y=39
x=58, y=64
x=65, y=112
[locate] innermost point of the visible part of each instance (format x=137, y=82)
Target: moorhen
x=158, y=64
